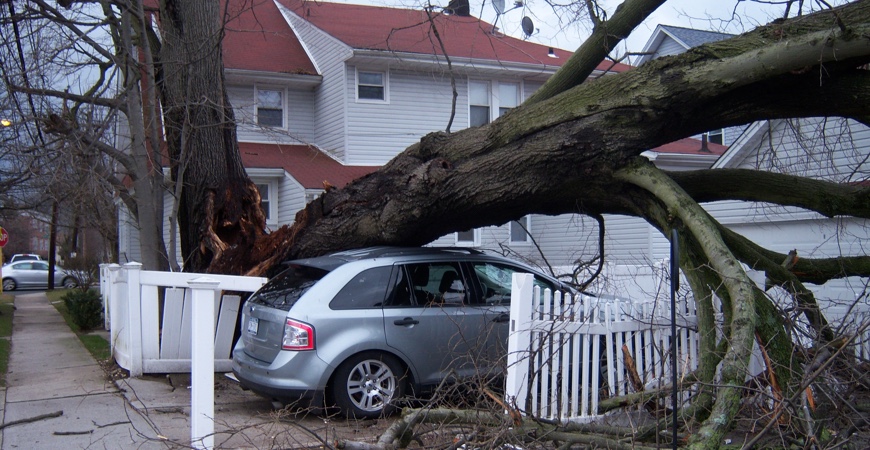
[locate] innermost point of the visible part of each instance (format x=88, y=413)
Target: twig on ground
x=32, y=419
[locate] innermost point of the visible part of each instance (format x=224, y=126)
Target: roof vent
x=551, y=52
x=704, y=148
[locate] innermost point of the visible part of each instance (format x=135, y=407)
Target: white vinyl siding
x=377, y=132
x=299, y=127
x=330, y=97
x=669, y=47
x=129, y=249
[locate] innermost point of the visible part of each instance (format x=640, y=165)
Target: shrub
x=84, y=270
x=85, y=308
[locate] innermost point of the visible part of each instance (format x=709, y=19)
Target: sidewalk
x=56, y=384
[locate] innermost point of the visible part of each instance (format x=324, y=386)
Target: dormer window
x=371, y=86
x=270, y=108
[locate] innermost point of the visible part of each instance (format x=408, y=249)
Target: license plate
x=253, y=325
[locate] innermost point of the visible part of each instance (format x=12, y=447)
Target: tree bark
x=219, y=206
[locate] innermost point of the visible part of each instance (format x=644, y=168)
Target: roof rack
x=381, y=251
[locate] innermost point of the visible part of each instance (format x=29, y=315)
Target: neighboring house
x=833, y=149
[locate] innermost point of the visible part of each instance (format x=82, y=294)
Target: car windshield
x=284, y=289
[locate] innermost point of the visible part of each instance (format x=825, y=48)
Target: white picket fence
x=564, y=352
x=144, y=342
x=195, y=334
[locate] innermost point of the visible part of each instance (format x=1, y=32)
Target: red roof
x=258, y=38
x=408, y=30
x=690, y=146
x=306, y=164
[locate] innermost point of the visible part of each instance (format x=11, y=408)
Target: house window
x=508, y=97
x=264, y=199
x=270, y=108
x=520, y=230
x=478, y=103
x=716, y=136
x=371, y=86
x=469, y=238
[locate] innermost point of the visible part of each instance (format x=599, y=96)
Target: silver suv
x=361, y=329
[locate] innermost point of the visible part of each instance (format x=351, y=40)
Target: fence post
x=202, y=362
x=516, y=384
x=134, y=317
x=108, y=277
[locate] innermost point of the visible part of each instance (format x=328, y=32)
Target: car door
x=492, y=281
x=430, y=322
x=40, y=273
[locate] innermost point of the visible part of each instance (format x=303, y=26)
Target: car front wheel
x=366, y=386
x=69, y=283
x=9, y=284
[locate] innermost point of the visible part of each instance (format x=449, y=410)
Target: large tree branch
x=824, y=197
x=805, y=270
x=705, y=233
x=596, y=47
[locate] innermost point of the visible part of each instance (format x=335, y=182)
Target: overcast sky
x=730, y=16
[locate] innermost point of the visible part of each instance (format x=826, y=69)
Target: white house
x=326, y=92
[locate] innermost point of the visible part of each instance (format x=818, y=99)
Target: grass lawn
x=95, y=343
x=6, y=311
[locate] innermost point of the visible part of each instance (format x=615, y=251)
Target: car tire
x=9, y=284
x=367, y=385
x=69, y=283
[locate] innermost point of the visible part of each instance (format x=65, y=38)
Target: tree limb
x=827, y=198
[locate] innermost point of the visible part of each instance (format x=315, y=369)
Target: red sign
x=4, y=237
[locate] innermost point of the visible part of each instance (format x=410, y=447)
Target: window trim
x=474, y=243
x=273, y=206
x=386, y=83
x=283, y=93
x=527, y=232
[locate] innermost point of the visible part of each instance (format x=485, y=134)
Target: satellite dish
x=528, y=26
x=498, y=5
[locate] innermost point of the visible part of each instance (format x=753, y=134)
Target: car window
x=366, y=290
x=40, y=266
x=496, y=279
x=23, y=266
x=438, y=283
x=287, y=287
x=401, y=294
